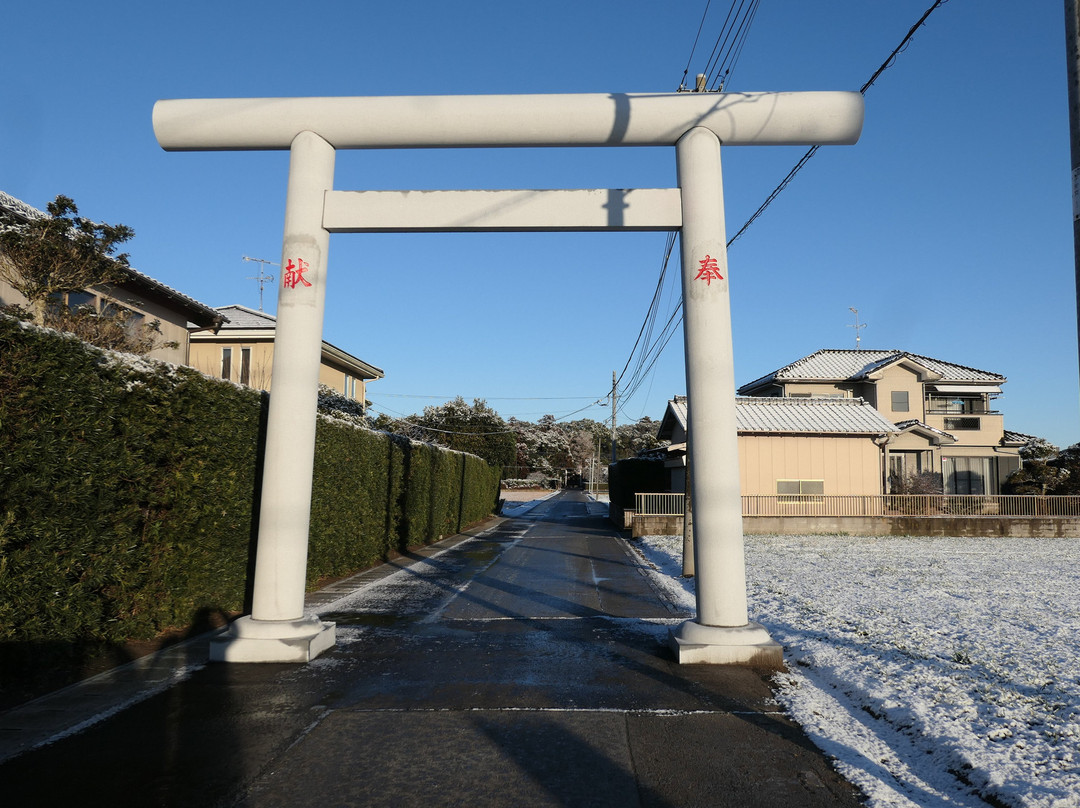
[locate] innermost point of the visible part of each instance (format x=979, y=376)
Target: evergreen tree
x=45, y=257
x=474, y=428
x=61, y=252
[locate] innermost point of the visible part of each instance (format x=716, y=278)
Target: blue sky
x=948, y=226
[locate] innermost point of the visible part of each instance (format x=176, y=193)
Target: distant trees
x=474, y=428
x=49, y=257
x=547, y=448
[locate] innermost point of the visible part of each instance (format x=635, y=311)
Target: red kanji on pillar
x=294, y=273
x=709, y=271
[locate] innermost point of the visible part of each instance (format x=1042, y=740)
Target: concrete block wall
x=1013, y=526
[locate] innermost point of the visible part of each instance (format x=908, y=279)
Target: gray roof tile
x=855, y=365
x=849, y=416
x=238, y=316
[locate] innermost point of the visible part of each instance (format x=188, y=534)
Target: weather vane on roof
x=858, y=326
x=261, y=278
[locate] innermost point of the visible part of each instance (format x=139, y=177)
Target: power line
x=682, y=82
x=650, y=315
x=441, y=431
x=722, y=61
x=862, y=91
x=889, y=61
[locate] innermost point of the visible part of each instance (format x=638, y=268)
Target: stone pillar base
x=748, y=645
x=250, y=640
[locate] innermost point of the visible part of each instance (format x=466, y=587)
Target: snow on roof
x=842, y=416
x=816, y=415
x=1018, y=437
x=856, y=365
x=201, y=314
x=238, y=316
x=914, y=424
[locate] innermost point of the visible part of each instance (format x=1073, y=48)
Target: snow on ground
x=936, y=671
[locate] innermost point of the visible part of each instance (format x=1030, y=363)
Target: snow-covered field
x=937, y=671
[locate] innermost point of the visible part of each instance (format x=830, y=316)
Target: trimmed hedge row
x=128, y=492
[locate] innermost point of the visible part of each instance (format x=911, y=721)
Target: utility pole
x=613, y=407
x=1072, y=65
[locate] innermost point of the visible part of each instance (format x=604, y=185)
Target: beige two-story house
x=242, y=350
x=944, y=413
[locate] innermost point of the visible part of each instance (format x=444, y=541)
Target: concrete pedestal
x=726, y=645
x=251, y=640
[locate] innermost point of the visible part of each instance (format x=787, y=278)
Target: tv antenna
x=261, y=278
x=858, y=326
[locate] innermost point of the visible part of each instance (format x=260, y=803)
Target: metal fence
x=659, y=504
x=878, y=505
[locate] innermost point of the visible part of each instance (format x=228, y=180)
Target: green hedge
x=127, y=492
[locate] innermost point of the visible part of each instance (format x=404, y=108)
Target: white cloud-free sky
x=948, y=226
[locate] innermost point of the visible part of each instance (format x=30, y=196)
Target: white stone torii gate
x=696, y=124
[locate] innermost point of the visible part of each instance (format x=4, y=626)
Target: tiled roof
x=813, y=415
x=856, y=365
x=238, y=316
x=1018, y=437
x=19, y=208
x=915, y=423
x=201, y=314
x=848, y=416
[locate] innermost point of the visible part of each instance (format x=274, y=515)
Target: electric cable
x=686, y=70
x=635, y=381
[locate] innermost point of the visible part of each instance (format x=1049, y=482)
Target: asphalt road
x=525, y=665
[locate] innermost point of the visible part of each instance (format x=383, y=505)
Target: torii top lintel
x=597, y=119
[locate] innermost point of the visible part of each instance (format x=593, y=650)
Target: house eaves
x=810, y=416
x=793, y=416
x=846, y=365
x=932, y=434
x=1017, y=438
x=358, y=366
x=200, y=315
x=242, y=322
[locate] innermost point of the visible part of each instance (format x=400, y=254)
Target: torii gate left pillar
x=312, y=128
x=278, y=630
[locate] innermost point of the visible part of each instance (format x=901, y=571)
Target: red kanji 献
x=709, y=271
x=294, y=273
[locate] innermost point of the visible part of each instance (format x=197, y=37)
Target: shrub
x=128, y=492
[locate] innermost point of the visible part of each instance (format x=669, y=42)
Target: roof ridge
x=30, y=212
x=804, y=400
x=258, y=312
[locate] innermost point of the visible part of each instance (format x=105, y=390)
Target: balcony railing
x=879, y=505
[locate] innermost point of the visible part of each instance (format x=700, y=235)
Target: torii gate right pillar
x=721, y=633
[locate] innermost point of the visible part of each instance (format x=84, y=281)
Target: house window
x=800, y=490
x=81, y=300
x=969, y=475
x=959, y=424
x=900, y=401
x=226, y=363
x=131, y=319
x=245, y=365
x=958, y=404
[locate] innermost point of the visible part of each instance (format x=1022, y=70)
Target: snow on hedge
x=936, y=671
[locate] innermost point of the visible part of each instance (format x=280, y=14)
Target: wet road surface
x=525, y=665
